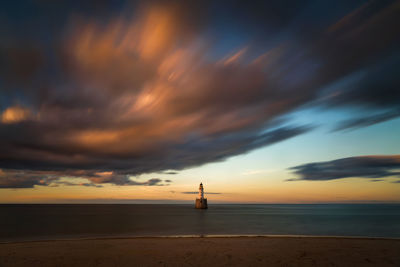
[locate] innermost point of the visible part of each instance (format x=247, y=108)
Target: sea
x=20, y=222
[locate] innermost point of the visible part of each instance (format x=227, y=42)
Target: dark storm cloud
x=122, y=89
x=359, y=167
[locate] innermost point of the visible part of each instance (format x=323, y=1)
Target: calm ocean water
x=33, y=222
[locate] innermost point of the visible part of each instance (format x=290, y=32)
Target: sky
x=140, y=101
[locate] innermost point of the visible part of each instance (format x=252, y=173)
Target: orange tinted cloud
x=142, y=94
x=151, y=92
x=15, y=114
x=158, y=81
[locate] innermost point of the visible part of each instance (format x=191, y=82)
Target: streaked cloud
x=151, y=90
x=367, y=120
x=376, y=167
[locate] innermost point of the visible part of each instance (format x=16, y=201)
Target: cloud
x=112, y=95
x=169, y=172
x=119, y=179
x=359, y=167
x=90, y=185
x=367, y=120
x=23, y=179
x=376, y=180
x=195, y=193
x=15, y=114
x=30, y=179
x=68, y=183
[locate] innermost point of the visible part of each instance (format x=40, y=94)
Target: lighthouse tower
x=201, y=202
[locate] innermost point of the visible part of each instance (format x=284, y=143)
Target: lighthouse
x=201, y=202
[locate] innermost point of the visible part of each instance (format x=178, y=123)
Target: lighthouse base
x=201, y=203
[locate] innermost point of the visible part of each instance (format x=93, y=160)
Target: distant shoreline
x=196, y=237
x=188, y=203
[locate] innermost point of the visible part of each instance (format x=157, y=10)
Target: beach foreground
x=209, y=251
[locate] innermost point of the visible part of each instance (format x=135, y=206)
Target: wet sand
x=210, y=251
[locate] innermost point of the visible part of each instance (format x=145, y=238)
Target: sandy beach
x=210, y=251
